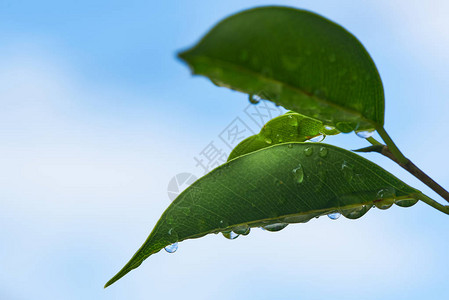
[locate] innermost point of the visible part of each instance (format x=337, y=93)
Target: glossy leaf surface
x=297, y=59
x=286, y=183
x=290, y=127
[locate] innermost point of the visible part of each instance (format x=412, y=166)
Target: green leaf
x=286, y=183
x=290, y=127
x=297, y=59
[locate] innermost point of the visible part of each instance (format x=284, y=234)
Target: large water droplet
x=406, y=202
x=317, y=139
x=334, y=215
x=355, y=213
x=344, y=127
x=292, y=120
x=328, y=127
x=242, y=229
x=172, y=248
x=297, y=219
x=268, y=140
x=230, y=235
x=298, y=174
x=347, y=171
x=275, y=227
x=308, y=151
x=385, y=198
x=323, y=152
x=254, y=99
x=364, y=134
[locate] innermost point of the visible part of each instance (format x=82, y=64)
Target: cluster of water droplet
x=384, y=199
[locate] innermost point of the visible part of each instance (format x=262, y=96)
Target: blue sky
x=97, y=115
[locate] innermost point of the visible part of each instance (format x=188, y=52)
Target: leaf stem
x=410, y=167
x=392, y=146
x=373, y=141
x=434, y=204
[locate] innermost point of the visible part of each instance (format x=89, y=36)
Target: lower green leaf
x=272, y=187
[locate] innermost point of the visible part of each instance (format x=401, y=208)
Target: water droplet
x=330, y=128
x=308, y=151
x=172, y=248
x=332, y=58
x=334, y=215
x=406, y=202
x=242, y=229
x=230, y=235
x=383, y=204
x=254, y=99
x=297, y=219
x=317, y=139
x=292, y=120
x=344, y=127
x=290, y=146
x=364, y=134
x=347, y=171
x=355, y=213
x=323, y=152
x=275, y=227
x=385, y=198
x=268, y=140
x=298, y=174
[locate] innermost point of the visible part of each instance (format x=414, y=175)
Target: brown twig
x=409, y=167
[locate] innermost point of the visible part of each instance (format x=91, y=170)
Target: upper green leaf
x=297, y=59
x=289, y=127
x=271, y=187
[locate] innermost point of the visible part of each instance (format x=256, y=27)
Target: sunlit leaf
x=290, y=127
x=297, y=59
